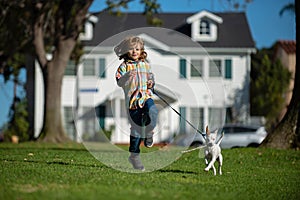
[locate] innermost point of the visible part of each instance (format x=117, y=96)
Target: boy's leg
x=135, y=141
x=151, y=113
x=134, y=149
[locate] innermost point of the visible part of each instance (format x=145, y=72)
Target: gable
x=204, y=26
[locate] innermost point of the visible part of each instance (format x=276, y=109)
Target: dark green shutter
x=228, y=69
x=102, y=68
x=101, y=115
x=182, y=124
x=182, y=69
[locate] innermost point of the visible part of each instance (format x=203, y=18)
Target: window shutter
x=101, y=115
x=102, y=68
x=228, y=69
x=182, y=124
x=182, y=69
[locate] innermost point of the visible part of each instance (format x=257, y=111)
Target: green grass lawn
x=48, y=171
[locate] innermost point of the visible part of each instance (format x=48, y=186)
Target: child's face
x=135, y=52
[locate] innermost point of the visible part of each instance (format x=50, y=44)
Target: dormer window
x=87, y=33
x=204, y=27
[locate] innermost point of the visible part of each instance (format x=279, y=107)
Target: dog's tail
x=186, y=151
x=221, y=138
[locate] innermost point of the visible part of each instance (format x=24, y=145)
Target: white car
x=242, y=135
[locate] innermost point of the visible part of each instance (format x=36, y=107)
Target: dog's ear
x=207, y=131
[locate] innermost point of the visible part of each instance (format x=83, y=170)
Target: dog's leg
x=214, y=170
x=206, y=157
x=206, y=161
x=220, y=160
x=213, y=160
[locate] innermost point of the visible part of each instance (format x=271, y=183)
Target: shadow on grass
x=176, y=171
x=58, y=162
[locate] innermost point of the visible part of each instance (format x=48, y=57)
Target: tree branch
x=38, y=41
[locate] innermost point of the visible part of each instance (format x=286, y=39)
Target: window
x=182, y=70
x=204, y=27
x=102, y=68
x=89, y=121
x=71, y=68
x=216, y=116
x=69, y=122
x=197, y=117
x=89, y=67
x=196, y=68
x=215, y=67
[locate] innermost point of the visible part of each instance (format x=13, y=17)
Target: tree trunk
x=53, y=130
x=69, y=20
x=287, y=134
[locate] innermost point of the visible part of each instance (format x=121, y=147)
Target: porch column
x=117, y=109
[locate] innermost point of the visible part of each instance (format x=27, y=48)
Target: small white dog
x=212, y=151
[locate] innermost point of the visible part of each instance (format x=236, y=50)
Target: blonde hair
x=123, y=48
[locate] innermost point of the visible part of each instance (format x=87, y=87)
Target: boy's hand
x=150, y=84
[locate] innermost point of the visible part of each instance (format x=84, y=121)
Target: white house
x=201, y=63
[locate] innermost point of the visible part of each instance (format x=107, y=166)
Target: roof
x=289, y=46
x=233, y=32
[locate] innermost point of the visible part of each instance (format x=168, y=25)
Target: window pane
x=216, y=117
x=196, y=68
x=197, y=117
x=71, y=68
x=204, y=28
x=215, y=68
x=88, y=120
x=69, y=122
x=89, y=67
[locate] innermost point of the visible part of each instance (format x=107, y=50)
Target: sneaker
x=148, y=142
x=136, y=162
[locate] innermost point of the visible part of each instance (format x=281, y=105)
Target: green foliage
x=151, y=8
x=18, y=124
x=68, y=171
x=11, y=65
x=269, y=83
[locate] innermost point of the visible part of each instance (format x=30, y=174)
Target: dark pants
x=142, y=121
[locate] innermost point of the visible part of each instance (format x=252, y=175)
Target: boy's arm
x=123, y=76
x=122, y=80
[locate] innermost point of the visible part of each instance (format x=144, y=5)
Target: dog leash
x=178, y=113
x=186, y=151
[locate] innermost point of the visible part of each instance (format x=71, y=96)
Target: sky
x=263, y=17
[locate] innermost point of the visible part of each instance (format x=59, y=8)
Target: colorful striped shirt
x=136, y=91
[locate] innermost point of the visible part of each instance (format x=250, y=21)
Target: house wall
x=191, y=93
